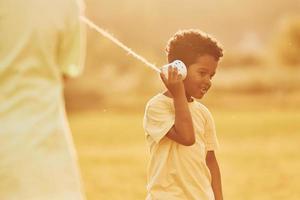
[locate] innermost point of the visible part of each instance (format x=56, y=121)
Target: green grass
x=259, y=155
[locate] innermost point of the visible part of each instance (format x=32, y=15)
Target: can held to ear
x=175, y=64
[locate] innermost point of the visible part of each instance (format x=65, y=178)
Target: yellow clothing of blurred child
x=40, y=43
x=180, y=131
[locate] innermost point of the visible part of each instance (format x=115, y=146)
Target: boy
x=180, y=131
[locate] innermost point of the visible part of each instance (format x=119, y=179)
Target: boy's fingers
x=175, y=73
x=170, y=69
x=179, y=77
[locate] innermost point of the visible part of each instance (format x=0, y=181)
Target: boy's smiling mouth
x=204, y=89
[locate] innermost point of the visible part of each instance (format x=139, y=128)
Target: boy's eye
x=202, y=73
x=205, y=73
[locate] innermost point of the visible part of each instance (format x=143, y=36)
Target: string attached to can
x=119, y=43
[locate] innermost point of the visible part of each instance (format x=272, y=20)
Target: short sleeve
x=158, y=120
x=210, y=135
x=73, y=42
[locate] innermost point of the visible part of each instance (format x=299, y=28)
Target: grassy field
x=259, y=155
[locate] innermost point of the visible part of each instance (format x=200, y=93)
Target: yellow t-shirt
x=40, y=41
x=175, y=171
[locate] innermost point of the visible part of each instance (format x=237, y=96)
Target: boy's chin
x=198, y=96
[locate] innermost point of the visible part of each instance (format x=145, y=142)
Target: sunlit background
x=255, y=97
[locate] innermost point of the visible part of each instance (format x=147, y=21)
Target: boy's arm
x=182, y=131
x=213, y=166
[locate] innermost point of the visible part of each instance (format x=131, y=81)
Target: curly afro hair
x=187, y=45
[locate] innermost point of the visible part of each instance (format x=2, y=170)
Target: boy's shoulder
x=159, y=98
x=200, y=107
x=159, y=101
x=203, y=110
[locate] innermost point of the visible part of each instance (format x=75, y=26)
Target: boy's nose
x=208, y=84
x=207, y=80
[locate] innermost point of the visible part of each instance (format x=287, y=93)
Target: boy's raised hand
x=174, y=82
